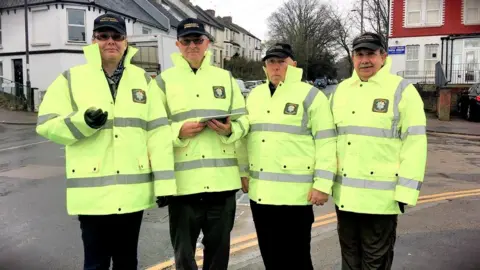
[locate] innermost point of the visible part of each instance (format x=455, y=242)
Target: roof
x=227, y=24
x=173, y=21
x=177, y=9
x=206, y=18
x=244, y=31
x=126, y=8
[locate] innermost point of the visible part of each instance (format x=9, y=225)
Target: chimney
x=228, y=19
x=210, y=12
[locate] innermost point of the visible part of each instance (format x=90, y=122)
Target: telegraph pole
x=30, y=101
x=361, y=15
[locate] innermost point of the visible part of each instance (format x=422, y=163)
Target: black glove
x=163, y=201
x=96, y=118
x=402, y=206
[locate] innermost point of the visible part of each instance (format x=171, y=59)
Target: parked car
x=320, y=83
x=245, y=90
x=469, y=103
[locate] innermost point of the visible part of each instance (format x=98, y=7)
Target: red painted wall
x=453, y=23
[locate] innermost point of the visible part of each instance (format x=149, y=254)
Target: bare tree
x=304, y=24
x=343, y=35
x=375, y=15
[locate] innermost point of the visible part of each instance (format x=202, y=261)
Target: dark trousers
x=214, y=218
x=110, y=237
x=284, y=235
x=366, y=240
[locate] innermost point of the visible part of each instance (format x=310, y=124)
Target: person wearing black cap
x=291, y=158
x=106, y=113
x=381, y=151
x=199, y=97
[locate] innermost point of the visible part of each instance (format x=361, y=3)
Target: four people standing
x=138, y=139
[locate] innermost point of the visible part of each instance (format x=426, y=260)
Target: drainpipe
x=451, y=60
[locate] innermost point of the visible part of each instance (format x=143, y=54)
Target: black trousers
x=366, y=240
x=284, y=235
x=110, y=237
x=214, y=218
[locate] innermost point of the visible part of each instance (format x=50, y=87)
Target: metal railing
x=12, y=95
x=418, y=76
x=463, y=73
x=454, y=74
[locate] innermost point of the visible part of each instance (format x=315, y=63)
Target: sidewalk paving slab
x=17, y=117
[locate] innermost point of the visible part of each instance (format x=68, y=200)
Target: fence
x=454, y=74
x=12, y=95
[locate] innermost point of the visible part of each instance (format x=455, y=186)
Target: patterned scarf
x=115, y=78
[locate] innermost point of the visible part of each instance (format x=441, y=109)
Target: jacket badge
x=139, y=96
x=380, y=105
x=290, y=109
x=219, y=92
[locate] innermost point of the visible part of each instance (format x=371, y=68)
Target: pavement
x=17, y=117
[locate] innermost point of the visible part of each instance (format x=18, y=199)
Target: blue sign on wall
x=396, y=50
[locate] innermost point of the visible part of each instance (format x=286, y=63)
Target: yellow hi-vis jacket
x=291, y=143
x=109, y=170
x=382, y=145
x=206, y=162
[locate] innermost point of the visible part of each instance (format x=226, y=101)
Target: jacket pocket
x=143, y=163
x=83, y=168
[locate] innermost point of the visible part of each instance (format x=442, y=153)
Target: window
x=0, y=31
x=423, y=12
x=431, y=58
x=471, y=13
x=227, y=54
x=146, y=31
x=226, y=34
x=76, y=25
x=214, y=56
x=214, y=34
x=1, y=75
x=412, y=60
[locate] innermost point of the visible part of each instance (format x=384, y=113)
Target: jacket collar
x=179, y=61
x=293, y=75
x=92, y=54
x=379, y=76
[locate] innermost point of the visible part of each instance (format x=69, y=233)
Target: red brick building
x=424, y=32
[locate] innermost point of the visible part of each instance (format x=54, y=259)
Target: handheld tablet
x=221, y=117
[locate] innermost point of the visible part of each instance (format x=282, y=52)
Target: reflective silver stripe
x=306, y=105
x=161, y=83
x=241, y=126
x=159, y=122
x=231, y=92
x=414, y=130
x=196, y=113
x=396, y=113
x=102, y=181
x=282, y=177
x=324, y=174
x=205, y=163
x=365, y=131
x=243, y=168
x=136, y=123
x=364, y=183
x=77, y=134
x=241, y=110
x=147, y=78
x=324, y=134
x=67, y=76
x=279, y=128
x=409, y=183
x=163, y=175
x=46, y=117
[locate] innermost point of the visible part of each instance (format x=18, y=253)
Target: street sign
x=396, y=50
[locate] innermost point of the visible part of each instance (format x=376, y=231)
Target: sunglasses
x=196, y=41
x=107, y=36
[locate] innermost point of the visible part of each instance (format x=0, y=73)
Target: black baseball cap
x=111, y=21
x=281, y=50
x=368, y=40
x=192, y=26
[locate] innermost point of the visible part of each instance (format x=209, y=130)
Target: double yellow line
x=250, y=240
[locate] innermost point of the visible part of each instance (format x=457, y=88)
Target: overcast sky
x=252, y=14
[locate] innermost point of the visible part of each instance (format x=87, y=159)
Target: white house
x=58, y=32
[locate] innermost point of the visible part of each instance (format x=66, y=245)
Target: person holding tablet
x=292, y=160
x=197, y=96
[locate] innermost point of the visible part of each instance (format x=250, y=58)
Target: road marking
x=323, y=220
x=21, y=146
